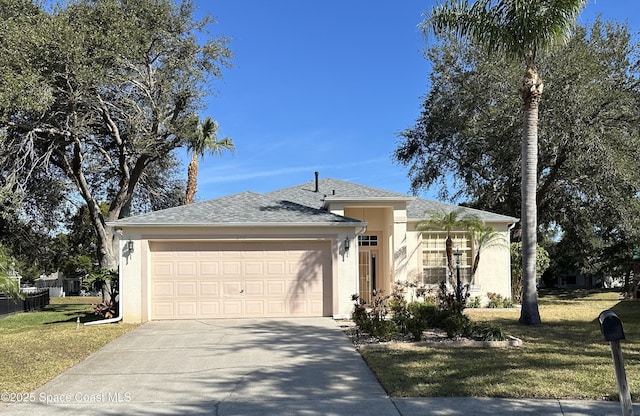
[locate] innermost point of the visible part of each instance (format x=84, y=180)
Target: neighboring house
x=299, y=251
x=576, y=280
x=50, y=280
x=67, y=285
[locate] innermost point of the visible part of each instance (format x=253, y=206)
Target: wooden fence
x=31, y=302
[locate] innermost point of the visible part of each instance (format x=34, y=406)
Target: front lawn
x=565, y=357
x=37, y=346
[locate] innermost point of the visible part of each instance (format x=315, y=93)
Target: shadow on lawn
x=572, y=294
x=73, y=312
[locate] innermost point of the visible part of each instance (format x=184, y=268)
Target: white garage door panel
x=209, y=309
x=210, y=288
x=254, y=288
x=163, y=310
x=231, y=309
x=229, y=280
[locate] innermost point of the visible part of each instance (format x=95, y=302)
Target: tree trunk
x=192, y=180
x=476, y=262
x=531, y=92
x=449, y=246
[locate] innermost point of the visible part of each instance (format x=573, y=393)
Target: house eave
x=505, y=220
x=366, y=200
x=119, y=225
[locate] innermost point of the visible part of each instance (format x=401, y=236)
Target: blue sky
x=324, y=86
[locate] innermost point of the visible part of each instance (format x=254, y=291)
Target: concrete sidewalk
x=247, y=367
x=488, y=406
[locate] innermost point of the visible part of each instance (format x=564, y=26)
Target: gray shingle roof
x=246, y=208
x=333, y=189
x=297, y=205
x=416, y=211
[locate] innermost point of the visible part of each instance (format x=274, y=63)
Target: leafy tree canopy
x=466, y=141
x=8, y=283
x=94, y=98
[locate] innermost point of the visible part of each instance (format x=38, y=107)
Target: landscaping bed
x=434, y=338
x=565, y=357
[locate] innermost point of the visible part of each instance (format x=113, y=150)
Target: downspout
x=509, y=228
x=119, y=317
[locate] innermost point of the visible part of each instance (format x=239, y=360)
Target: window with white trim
x=368, y=241
x=434, y=256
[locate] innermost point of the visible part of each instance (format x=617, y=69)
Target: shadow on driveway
x=220, y=367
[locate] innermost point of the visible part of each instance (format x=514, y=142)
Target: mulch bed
x=430, y=338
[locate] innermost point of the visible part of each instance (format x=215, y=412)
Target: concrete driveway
x=248, y=367
x=217, y=367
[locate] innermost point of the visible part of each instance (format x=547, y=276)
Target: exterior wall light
x=346, y=245
x=130, y=246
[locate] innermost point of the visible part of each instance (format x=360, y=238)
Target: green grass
x=564, y=357
x=37, y=346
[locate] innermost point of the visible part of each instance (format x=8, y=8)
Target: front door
x=367, y=271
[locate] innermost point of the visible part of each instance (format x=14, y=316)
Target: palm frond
x=515, y=28
x=206, y=140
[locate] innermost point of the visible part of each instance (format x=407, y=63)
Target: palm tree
x=447, y=222
x=205, y=140
x=518, y=29
x=484, y=236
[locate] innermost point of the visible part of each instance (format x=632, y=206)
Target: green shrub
x=424, y=311
x=474, y=302
x=489, y=332
x=373, y=320
x=400, y=315
x=457, y=325
x=415, y=317
x=422, y=315
x=497, y=301
x=360, y=316
x=382, y=329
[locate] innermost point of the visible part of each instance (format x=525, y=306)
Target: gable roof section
x=335, y=190
x=416, y=211
x=243, y=209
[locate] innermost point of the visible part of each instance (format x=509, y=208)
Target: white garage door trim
x=222, y=279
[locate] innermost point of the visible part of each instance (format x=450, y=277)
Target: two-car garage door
x=198, y=280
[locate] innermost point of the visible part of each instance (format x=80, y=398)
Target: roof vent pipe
x=317, y=188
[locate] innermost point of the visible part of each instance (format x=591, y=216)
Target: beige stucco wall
x=134, y=267
x=379, y=223
x=414, y=255
x=494, y=270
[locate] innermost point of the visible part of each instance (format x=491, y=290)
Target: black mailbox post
x=611, y=327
